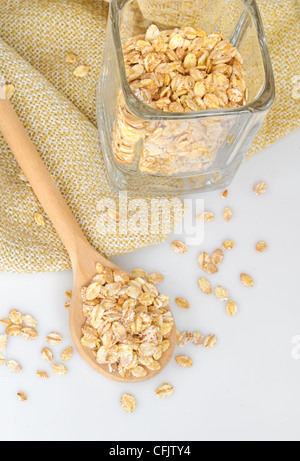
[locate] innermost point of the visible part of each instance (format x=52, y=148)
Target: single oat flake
x=54, y=338
x=228, y=244
x=221, y=294
x=5, y=322
x=67, y=354
x=22, y=396
x=156, y=278
x=205, y=286
x=206, y=217
x=227, y=214
x=2, y=359
x=71, y=58
x=29, y=321
x=15, y=317
x=261, y=247
x=210, y=342
x=81, y=71
x=3, y=342
x=203, y=259
x=39, y=219
x=217, y=257
x=260, y=188
x=128, y=403
x=13, y=330
x=183, y=303
x=231, y=308
x=184, y=338
x=42, y=374
x=184, y=361
x=247, y=280
x=47, y=354
x=14, y=367
x=59, y=369
x=164, y=391
x=224, y=194
x=29, y=333
x=179, y=247
x=138, y=272
x=8, y=91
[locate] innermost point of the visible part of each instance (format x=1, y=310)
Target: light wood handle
x=40, y=179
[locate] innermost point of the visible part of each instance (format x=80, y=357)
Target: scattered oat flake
x=13, y=330
x=228, y=244
x=221, y=294
x=81, y=71
x=29, y=333
x=217, y=257
x=15, y=317
x=54, y=338
x=156, y=278
x=210, y=342
x=179, y=247
x=5, y=322
x=260, y=188
x=138, y=272
x=68, y=294
x=210, y=268
x=128, y=403
x=247, y=280
x=2, y=359
x=39, y=219
x=14, y=367
x=47, y=354
x=8, y=90
x=183, y=303
x=231, y=308
x=59, y=369
x=29, y=321
x=224, y=194
x=164, y=391
x=227, y=214
x=203, y=259
x=206, y=216
x=184, y=338
x=198, y=339
x=22, y=396
x=71, y=58
x=67, y=354
x=184, y=361
x=3, y=342
x=205, y=286
x=42, y=374
x=261, y=247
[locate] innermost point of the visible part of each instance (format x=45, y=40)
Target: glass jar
x=149, y=151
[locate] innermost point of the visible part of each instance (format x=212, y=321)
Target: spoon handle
x=40, y=179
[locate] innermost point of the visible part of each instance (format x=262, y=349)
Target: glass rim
x=262, y=102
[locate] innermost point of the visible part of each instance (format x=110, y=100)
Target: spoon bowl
x=83, y=256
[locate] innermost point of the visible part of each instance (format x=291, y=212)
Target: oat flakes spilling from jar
x=179, y=70
x=128, y=322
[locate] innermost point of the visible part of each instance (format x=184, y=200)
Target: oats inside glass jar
x=128, y=322
x=179, y=70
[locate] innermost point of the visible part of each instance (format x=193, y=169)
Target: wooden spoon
x=83, y=257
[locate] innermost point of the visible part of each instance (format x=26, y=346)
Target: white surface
x=247, y=388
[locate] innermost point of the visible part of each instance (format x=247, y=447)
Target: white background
x=247, y=388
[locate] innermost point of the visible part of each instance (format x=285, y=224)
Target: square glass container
x=149, y=151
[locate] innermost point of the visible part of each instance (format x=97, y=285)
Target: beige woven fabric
x=58, y=110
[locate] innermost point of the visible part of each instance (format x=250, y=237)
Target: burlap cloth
x=58, y=110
